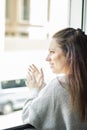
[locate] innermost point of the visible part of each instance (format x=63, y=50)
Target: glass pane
x=25, y=9
x=38, y=12
x=7, y=9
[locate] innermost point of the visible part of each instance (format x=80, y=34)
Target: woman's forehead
x=53, y=44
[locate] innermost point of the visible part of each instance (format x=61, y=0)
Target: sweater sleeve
x=33, y=94
x=35, y=107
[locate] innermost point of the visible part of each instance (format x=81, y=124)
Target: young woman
x=62, y=103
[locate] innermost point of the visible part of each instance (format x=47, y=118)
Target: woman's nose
x=48, y=58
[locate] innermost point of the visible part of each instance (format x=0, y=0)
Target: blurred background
x=26, y=27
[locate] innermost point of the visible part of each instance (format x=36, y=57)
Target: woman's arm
x=35, y=82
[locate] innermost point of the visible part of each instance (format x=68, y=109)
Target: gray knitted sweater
x=50, y=109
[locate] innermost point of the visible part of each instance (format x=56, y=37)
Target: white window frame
x=85, y=16
x=75, y=16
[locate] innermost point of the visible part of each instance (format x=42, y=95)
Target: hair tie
x=80, y=30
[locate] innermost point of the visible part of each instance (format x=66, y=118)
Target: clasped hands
x=35, y=77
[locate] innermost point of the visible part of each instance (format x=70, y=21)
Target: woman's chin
x=55, y=72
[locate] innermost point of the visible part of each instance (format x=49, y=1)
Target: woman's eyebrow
x=51, y=49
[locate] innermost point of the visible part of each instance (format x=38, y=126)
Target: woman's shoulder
x=58, y=82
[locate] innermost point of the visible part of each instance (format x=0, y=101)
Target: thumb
x=41, y=71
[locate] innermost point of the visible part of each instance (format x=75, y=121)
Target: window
x=37, y=18
x=25, y=9
x=7, y=9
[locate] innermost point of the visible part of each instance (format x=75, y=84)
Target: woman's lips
x=51, y=65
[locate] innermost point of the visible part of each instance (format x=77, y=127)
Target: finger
x=41, y=78
x=41, y=81
x=29, y=76
x=35, y=68
x=31, y=69
x=26, y=83
x=41, y=71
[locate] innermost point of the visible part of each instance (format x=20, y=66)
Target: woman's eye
x=51, y=51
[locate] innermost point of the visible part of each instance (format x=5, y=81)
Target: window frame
x=84, y=17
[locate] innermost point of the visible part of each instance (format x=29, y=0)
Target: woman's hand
x=35, y=77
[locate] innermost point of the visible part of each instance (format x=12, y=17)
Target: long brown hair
x=73, y=43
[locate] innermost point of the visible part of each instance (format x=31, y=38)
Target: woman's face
x=56, y=58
